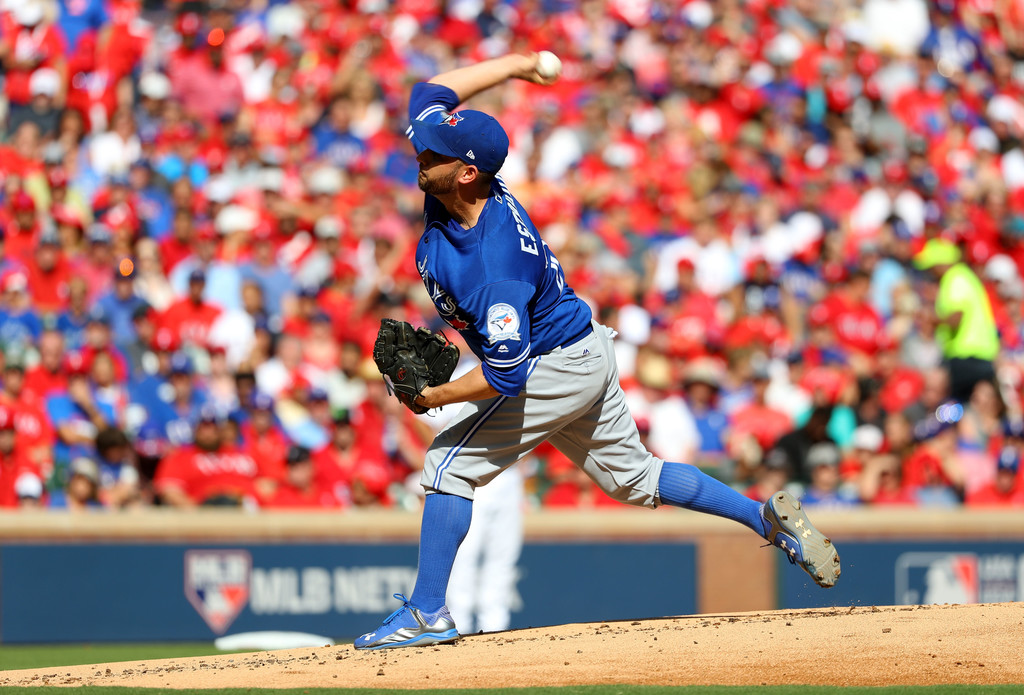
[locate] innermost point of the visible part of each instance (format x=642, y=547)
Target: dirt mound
x=892, y=645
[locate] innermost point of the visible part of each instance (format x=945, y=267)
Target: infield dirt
x=886, y=645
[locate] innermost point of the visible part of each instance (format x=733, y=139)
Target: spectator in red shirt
x=300, y=488
x=17, y=475
x=47, y=375
x=757, y=420
x=263, y=439
x=191, y=317
x=1007, y=490
x=22, y=232
x=208, y=90
x=35, y=43
x=49, y=276
x=349, y=467
x=207, y=472
x=36, y=435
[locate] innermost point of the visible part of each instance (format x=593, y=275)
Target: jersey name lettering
x=528, y=247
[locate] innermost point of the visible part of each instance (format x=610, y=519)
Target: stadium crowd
x=207, y=207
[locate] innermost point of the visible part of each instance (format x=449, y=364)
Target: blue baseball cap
x=472, y=136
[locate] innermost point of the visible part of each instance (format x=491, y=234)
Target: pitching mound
x=901, y=645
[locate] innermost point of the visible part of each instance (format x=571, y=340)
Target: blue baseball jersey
x=497, y=283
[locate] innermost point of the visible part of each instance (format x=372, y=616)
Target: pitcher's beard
x=439, y=186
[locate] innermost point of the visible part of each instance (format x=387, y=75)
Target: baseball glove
x=410, y=359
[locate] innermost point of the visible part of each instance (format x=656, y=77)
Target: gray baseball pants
x=572, y=398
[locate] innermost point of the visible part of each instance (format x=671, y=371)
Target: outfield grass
x=43, y=655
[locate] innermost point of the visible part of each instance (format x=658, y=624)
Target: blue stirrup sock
x=445, y=524
x=683, y=485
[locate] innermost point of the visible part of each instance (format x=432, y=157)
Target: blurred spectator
x=77, y=415
x=796, y=444
x=826, y=489
x=20, y=482
x=81, y=492
x=300, y=488
x=207, y=472
x=966, y=327
x=119, y=478
x=1006, y=489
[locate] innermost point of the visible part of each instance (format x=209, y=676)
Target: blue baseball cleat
x=804, y=545
x=410, y=627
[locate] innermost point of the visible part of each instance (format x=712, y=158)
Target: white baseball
x=548, y=65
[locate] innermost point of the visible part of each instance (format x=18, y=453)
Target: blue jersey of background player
x=496, y=283
x=547, y=370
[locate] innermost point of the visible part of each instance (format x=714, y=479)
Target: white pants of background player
x=483, y=582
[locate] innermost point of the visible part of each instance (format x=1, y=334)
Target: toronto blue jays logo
x=453, y=119
x=446, y=307
x=217, y=585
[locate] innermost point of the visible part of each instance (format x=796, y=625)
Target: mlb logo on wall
x=928, y=578
x=217, y=584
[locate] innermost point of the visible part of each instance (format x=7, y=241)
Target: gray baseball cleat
x=410, y=627
x=803, y=544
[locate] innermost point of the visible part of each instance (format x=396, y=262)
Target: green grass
x=43, y=655
x=572, y=690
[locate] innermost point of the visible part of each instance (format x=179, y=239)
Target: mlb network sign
x=886, y=573
x=221, y=583
x=959, y=578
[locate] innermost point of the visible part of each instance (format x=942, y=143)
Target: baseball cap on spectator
x=471, y=136
x=99, y=233
x=285, y=21
x=777, y=459
x=65, y=215
x=823, y=454
x=197, y=275
x=75, y=364
x=155, y=85
x=297, y=454
x=373, y=478
x=317, y=394
x=149, y=442
x=325, y=180
x=56, y=177
x=262, y=401
x=142, y=311
x=28, y=486
x=99, y=316
x=1009, y=459
x=85, y=467
x=1013, y=428
x=867, y=438
x=327, y=228
x=44, y=81
x=235, y=218
x=262, y=232
x=188, y=23
x=271, y=178
x=165, y=340
x=181, y=364
x=209, y=414
x=15, y=281
x=936, y=252
x=53, y=153
x=308, y=291
x=219, y=189
x=22, y=202
x=29, y=12
x=49, y=237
